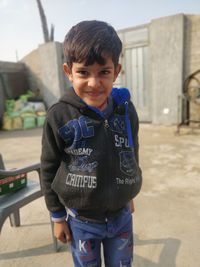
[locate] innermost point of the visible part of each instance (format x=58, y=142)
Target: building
x=156, y=59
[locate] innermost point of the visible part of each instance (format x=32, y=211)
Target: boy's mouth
x=94, y=94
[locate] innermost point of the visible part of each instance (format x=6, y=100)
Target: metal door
x=137, y=80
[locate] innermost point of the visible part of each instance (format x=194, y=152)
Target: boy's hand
x=62, y=232
x=132, y=206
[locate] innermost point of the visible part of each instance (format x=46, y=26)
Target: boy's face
x=93, y=83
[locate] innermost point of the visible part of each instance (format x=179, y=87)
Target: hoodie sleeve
x=52, y=147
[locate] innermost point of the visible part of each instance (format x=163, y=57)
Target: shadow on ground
x=168, y=254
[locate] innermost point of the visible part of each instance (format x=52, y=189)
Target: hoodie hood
x=70, y=97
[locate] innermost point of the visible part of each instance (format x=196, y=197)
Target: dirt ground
x=167, y=216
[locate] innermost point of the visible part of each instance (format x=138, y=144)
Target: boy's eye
x=105, y=72
x=82, y=72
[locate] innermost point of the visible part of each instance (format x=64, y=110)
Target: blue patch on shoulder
x=120, y=95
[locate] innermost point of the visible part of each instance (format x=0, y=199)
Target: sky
x=20, y=25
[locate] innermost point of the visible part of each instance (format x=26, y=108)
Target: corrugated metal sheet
x=137, y=79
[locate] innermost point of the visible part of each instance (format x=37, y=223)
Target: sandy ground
x=166, y=224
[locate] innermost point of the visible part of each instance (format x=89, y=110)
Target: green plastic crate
x=40, y=120
x=12, y=183
x=29, y=122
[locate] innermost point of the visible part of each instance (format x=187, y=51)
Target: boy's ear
x=117, y=71
x=67, y=71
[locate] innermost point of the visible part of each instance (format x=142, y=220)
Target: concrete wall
x=192, y=44
x=166, y=48
x=32, y=62
x=45, y=71
x=192, y=57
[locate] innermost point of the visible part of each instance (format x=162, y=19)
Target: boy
x=89, y=158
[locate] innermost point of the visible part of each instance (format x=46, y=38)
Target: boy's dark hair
x=90, y=42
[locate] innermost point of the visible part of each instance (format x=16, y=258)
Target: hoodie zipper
x=106, y=127
x=109, y=191
x=106, y=124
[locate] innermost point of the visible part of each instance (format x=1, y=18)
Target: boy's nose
x=94, y=82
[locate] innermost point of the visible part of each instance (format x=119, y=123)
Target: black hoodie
x=89, y=162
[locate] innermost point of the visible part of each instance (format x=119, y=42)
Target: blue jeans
x=115, y=235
